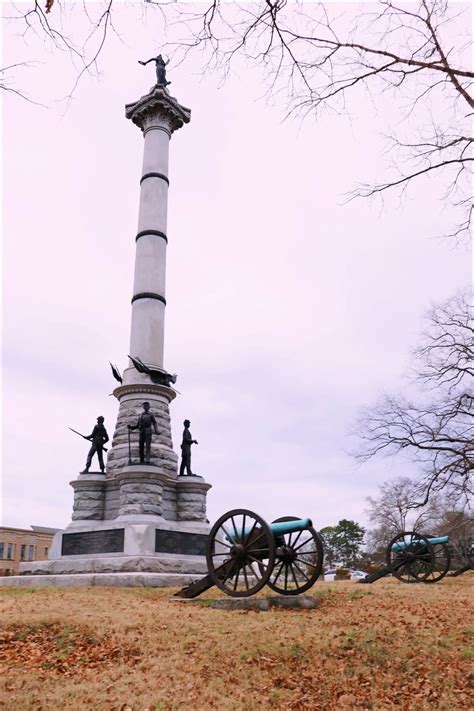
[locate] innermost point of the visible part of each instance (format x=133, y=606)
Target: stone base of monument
x=124, y=580
x=141, y=526
x=128, y=544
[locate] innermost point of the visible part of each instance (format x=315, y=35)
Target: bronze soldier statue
x=186, y=450
x=145, y=423
x=98, y=437
x=160, y=65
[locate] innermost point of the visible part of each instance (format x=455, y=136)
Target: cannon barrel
x=302, y=524
x=278, y=529
x=434, y=541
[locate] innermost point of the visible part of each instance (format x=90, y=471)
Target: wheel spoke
x=297, y=539
x=247, y=537
x=235, y=529
x=300, y=571
x=245, y=576
x=279, y=573
x=405, y=569
x=301, y=545
x=256, y=560
x=228, y=575
x=255, y=574
x=243, y=528
x=293, y=574
x=305, y=562
x=227, y=535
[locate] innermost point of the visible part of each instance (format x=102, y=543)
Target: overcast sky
x=288, y=310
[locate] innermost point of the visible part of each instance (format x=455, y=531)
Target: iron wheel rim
x=421, y=563
x=442, y=562
x=292, y=572
x=244, y=538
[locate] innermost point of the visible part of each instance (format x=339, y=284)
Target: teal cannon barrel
x=432, y=541
x=280, y=528
x=302, y=524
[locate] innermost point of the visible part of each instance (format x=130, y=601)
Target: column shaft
x=148, y=303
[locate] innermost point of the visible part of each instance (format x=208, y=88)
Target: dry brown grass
x=383, y=646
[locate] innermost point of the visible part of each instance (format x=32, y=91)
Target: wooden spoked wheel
x=411, y=557
x=442, y=561
x=298, y=560
x=240, y=553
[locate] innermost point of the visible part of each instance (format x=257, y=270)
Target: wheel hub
x=238, y=550
x=286, y=554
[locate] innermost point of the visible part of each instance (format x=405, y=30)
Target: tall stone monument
x=139, y=523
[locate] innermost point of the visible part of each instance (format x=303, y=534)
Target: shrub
x=374, y=568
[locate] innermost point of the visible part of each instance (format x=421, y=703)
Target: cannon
x=415, y=558
x=467, y=559
x=244, y=553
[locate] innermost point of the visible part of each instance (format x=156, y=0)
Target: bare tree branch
x=320, y=57
x=436, y=432
x=395, y=510
x=323, y=59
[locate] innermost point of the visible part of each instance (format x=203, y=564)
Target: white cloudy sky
x=287, y=310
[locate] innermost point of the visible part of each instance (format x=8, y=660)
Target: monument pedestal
x=86, y=580
x=160, y=526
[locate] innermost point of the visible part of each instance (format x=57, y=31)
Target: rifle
x=84, y=437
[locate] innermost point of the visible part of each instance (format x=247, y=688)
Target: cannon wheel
x=240, y=553
x=298, y=560
x=420, y=557
x=442, y=562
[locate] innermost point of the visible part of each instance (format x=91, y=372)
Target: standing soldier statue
x=98, y=437
x=160, y=65
x=186, y=450
x=145, y=423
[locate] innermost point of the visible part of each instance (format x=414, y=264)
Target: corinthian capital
x=158, y=107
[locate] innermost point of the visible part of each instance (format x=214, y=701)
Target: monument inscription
x=180, y=542
x=108, y=541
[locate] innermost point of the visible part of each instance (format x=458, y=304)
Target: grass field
x=383, y=646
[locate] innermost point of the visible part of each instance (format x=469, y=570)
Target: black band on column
x=154, y=175
x=155, y=233
x=149, y=295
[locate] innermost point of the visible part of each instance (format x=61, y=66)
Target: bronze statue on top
x=160, y=65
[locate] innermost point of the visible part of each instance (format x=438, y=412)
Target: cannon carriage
x=415, y=558
x=244, y=553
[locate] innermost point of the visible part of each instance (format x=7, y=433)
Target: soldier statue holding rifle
x=98, y=437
